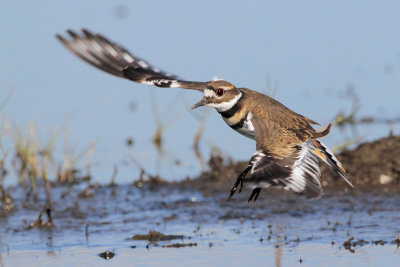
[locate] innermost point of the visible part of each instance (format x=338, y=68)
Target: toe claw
x=255, y=194
x=241, y=185
x=239, y=182
x=233, y=190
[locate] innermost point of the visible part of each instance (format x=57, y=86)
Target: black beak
x=202, y=102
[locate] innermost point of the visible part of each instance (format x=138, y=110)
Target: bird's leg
x=255, y=194
x=239, y=180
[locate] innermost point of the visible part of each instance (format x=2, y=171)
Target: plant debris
x=38, y=223
x=180, y=245
x=156, y=236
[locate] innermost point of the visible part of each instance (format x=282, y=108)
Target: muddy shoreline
x=373, y=166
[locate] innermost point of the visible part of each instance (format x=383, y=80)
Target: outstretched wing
x=283, y=160
x=112, y=58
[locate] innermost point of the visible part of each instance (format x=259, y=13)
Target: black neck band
x=232, y=111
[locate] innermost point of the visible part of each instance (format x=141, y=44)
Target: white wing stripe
x=307, y=164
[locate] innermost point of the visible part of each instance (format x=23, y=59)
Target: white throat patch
x=224, y=106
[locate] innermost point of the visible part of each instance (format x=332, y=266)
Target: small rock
x=107, y=254
x=385, y=179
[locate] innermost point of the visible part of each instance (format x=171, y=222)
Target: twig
x=48, y=192
x=87, y=233
x=114, y=175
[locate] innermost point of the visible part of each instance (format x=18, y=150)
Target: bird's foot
x=239, y=182
x=255, y=194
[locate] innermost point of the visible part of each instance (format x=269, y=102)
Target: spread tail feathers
x=298, y=173
x=327, y=156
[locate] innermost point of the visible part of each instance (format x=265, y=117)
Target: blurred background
x=328, y=60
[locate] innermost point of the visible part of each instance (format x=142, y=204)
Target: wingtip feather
x=346, y=179
x=323, y=131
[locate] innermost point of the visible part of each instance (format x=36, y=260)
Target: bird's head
x=221, y=95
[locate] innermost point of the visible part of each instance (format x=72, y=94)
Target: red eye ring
x=220, y=92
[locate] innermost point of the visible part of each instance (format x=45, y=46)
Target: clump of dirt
x=180, y=245
x=156, y=236
x=368, y=165
x=39, y=222
x=371, y=164
x=396, y=242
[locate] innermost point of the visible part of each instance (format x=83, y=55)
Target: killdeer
x=287, y=150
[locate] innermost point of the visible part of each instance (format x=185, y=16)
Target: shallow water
x=315, y=254
x=280, y=229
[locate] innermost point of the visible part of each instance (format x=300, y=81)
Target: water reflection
x=46, y=237
x=278, y=256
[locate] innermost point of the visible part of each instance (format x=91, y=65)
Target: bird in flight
x=288, y=151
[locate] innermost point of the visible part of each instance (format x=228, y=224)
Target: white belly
x=247, y=129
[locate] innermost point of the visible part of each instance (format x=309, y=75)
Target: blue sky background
x=310, y=51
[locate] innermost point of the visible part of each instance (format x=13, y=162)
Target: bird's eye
x=220, y=91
